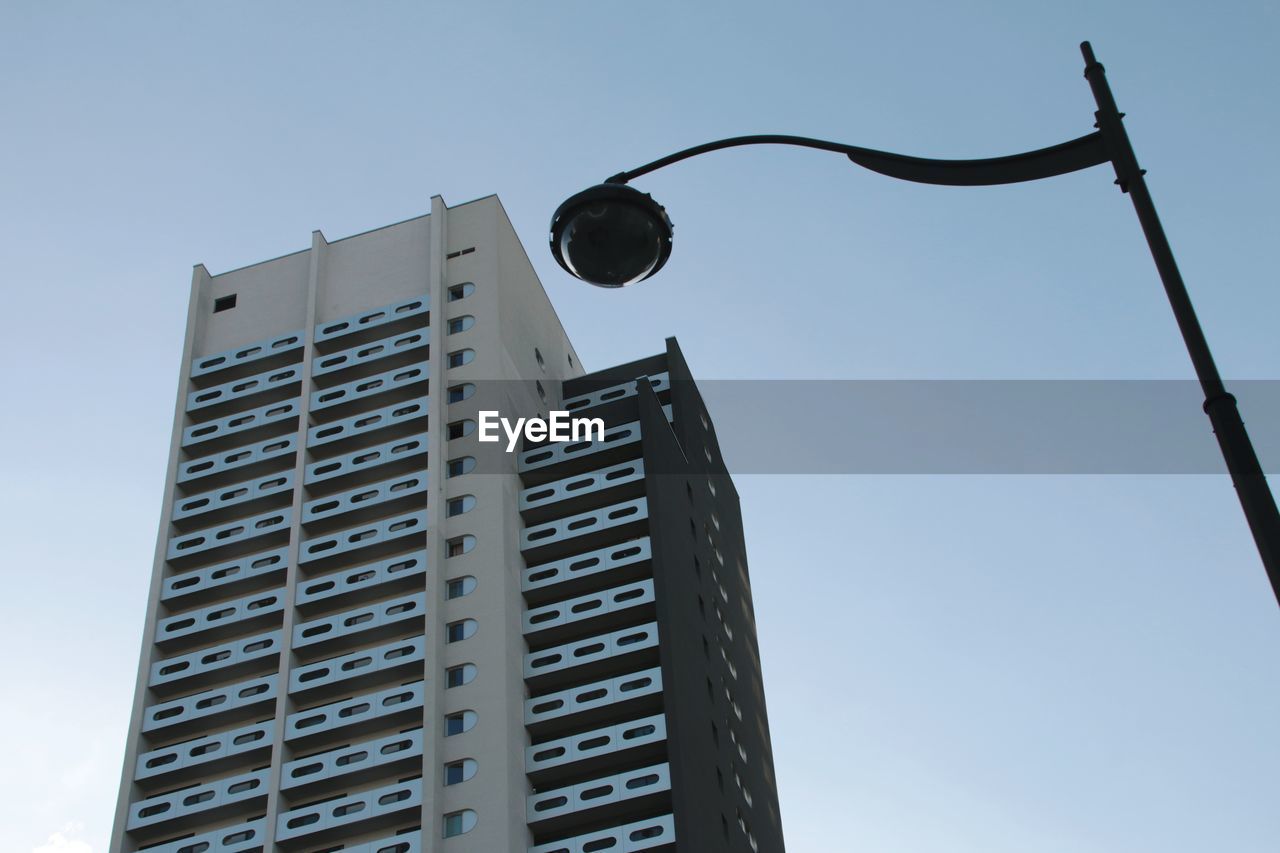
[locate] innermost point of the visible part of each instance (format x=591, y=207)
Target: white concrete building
x=357, y=638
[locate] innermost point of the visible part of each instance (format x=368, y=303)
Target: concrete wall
x=304, y=292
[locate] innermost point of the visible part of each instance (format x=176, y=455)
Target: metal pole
x=1246, y=473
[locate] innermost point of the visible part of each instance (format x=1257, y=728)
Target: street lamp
x=613, y=235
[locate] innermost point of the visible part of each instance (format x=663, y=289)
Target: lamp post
x=613, y=235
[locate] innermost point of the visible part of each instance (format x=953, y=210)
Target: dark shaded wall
x=686, y=518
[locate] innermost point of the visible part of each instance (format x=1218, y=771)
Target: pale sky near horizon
x=953, y=664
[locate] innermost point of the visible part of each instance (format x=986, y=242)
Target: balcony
x=204, y=754
x=549, y=461
x=363, y=582
x=357, y=715
x=593, y=612
x=227, y=501
x=255, y=424
x=406, y=843
x=364, y=502
x=595, y=702
x=367, y=462
x=236, y=701
x=257, y=570
x=637, y=741
x=660, y=382
x=240, y=838
x=582, y=492
x=359, y=667
x=279, y=451
x=397, y=419
x=368, y=357
x=592, y=658
x=638, y=835
x=246, y=653
x=367, y=623
x=183, y=805
x=402, y=382
x=349, y=765
x=379, y=804
x=355, y=329
x=558, y=539
x=283, y=348
x=267, y=387
x=586, y=571
x=222, y=620
x=618, y=796
x=235, y=533
x=370, y=537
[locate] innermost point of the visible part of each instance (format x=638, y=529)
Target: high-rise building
x=368, y=630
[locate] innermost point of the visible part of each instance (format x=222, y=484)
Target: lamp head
x=611, y=235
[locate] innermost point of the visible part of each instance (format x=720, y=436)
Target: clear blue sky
x=953, y=664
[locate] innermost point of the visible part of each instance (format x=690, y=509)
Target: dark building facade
x=637, y=568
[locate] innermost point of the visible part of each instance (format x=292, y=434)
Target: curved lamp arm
x=1070, y=156
x=1110, y=143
